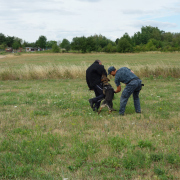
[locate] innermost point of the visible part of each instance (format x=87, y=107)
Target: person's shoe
x=138, y=111
x=121, y=114
x=91, y=103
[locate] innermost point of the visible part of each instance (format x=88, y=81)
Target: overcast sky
x=59, y=19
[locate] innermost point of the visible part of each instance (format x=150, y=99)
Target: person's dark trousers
x=134, y=88
x=98, y=90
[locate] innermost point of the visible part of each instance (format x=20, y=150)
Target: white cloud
x=58, y=19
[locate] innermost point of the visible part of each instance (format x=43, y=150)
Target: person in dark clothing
x=133, y=86
x=93, y=79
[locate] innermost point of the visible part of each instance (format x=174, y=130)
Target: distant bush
x=55, y=48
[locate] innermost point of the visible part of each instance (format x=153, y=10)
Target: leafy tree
x=55, y=48
x=124, y=46
x=41, y=42
x=79, y=43
x=136, y=39
x=176, y=40
x=9, y=41
x=3, y=46
x=150, y=46
x=16, y=45
x=2, y=38
x=49, y=44
x=167, y=37
x=117, y=41
x=75, y=44
x=27, y=44
x=150, y=32
x=91, y=44
x=109, y=48
x=65, y=44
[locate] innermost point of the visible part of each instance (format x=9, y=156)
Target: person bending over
x=133, y=86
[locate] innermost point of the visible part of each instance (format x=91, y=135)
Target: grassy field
x=48, y=130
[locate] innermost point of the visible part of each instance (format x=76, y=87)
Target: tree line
x=148, y=39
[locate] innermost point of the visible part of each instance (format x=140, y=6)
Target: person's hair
x=98, y=61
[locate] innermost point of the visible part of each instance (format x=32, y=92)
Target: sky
x=66, y=19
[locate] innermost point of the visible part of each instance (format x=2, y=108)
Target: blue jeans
x=134, y=88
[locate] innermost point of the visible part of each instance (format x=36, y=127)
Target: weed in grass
x=111, y=162
x=173, y=159
x=41, y=113
x=80, y=152
x=22, y=131
x=156, y=157
x=159, y=171
x=145, y=144
x=118, y=143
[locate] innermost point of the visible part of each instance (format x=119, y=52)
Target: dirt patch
x=2, y=56
x=9, y=55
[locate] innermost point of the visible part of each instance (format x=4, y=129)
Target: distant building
x=30, y=49
x=9, y=49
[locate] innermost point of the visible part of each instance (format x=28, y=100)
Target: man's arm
x=118, y=89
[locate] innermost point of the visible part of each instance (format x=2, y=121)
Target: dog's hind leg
x=110, y=111
x=100, y=110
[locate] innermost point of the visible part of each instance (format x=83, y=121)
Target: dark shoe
x=138, y=112
x=121, y=114
x=91, y=103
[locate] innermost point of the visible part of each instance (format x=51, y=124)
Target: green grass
x=132, y=59
x=49, y=131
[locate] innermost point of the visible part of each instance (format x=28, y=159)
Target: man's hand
x=118, y=89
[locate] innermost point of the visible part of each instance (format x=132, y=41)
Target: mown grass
x=49, y=131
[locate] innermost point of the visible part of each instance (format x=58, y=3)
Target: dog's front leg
x=99, y=110
x=110, y=111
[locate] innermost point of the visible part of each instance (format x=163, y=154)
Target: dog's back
x=109, y=94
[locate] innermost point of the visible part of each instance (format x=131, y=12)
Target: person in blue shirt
x=133, y=86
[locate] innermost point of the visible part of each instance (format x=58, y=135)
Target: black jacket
x=93, y=74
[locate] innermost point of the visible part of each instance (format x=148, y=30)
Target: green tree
x=79, y=43
x=176, y=40
x=49, y=44
x=108, y=48
x=55, y=48
x=124, y=46
x=9, y=41
x=16, y=45
x=91, y=44
x=150, y=46
x=136, y=39
x=167, y=36
x=65, y=44
x=150, y=32
x=41, y=42
x=27, y=44
x=2, y=38
x=75, y=44
x=3, y=46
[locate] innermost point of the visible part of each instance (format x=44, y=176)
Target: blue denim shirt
x=124, y=75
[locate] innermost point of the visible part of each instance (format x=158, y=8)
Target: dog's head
x=104, y=79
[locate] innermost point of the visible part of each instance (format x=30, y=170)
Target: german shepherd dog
x=108, y=91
